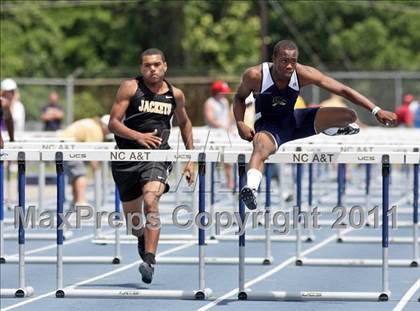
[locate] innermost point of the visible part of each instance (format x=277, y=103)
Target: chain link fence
x=82, y=98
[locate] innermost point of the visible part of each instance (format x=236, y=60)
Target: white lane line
x=276, y=269
x=54, y=245
x=98, y=277
x=406, y=298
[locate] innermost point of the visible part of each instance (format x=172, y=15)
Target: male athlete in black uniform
x=275, y=87
x=141, y=119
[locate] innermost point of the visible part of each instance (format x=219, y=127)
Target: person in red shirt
x=404, y=115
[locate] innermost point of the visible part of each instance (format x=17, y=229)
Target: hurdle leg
x=416, y=257
x=60, y=211
x=97, y=206
x=297, y=217
x=241, y=266
x=2, y=260
x=41, y=185
x=340, y=191
x=310, y=197
x=385, y=232
x=267, y=215
x=117, y=245
x=22, y=291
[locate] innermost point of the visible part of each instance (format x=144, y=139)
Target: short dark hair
x=151, y=51
x=284, y=45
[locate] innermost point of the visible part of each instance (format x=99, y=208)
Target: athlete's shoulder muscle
x=179, y=96
x=250, y=81
x=308, y=75
x=127, y=89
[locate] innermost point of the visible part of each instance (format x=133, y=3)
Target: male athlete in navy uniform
x=275, y=87
x=141, y=119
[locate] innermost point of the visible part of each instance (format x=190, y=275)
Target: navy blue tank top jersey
x=146, y=112
x=276, y=105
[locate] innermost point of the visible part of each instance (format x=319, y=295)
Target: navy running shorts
x=300, y=125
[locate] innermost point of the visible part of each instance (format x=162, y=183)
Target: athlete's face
x=285, y=63
x=153, y=68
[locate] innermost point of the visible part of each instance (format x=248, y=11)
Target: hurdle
x=329, y=147
x=22, y=291
x=414, y=240
x=408, y=158
x=158, y=155
x=41, y=180
x=301, y=157
x=36, y=155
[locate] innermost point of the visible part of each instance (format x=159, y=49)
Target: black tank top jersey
x=146, y=112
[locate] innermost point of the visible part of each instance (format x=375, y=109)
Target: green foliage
x=229, y=43
x=87, y=106
x=104, y=38
x=53, y=38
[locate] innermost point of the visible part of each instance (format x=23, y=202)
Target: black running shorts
x=130, y=177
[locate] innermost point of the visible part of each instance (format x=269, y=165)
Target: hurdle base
x=214, y=260
x=16, y=292
x=134, y=293
x=129, y=239
x=373, y=239
x=313, y=296
x=161, y=242
x=38, y=236
x=258, y=238
x=355, y=262
x=66, y=259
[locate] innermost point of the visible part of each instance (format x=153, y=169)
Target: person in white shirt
x=217, y=114
x=10, y=91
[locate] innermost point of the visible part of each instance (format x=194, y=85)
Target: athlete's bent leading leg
x=264, y=145
x=336, y=121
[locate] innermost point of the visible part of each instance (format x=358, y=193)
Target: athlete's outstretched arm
x=125, y=92
x=309, y=75
x=249, y=83
x=185, y=127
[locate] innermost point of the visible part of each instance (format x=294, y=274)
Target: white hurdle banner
x=171, y=155
x=331, y=157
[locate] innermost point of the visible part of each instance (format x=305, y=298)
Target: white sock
x=254, y=178
x=331, y=130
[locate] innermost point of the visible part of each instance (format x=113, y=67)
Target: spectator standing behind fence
x=10, y=91
x=217, y=114
x=90, y=130
x=52, y=113
x=404, y=115
x=6, y=115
